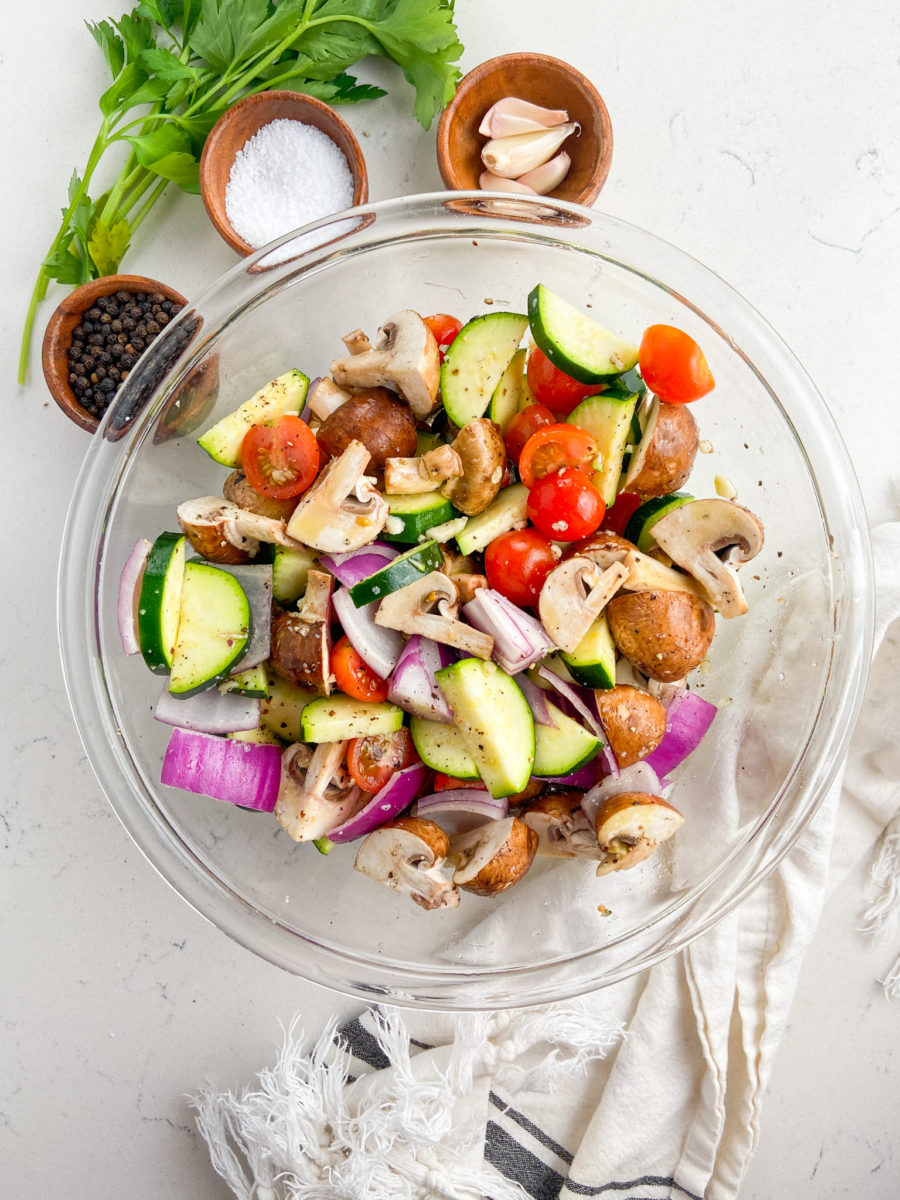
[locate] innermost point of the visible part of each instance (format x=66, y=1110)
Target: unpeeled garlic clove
x=494, y=183
x=511, y=116
x=511, y=157
x=548, y=175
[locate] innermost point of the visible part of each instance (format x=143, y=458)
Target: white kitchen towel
x=647, y=1090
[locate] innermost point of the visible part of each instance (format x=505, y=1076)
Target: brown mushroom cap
x=670, y=454
x=300, y=652
x=431, y=833
x=634, y=721
x=482, y=451
x=664, y=634
x=602, y=547
x=494, y=856
x=376, y=417
x=239, y=492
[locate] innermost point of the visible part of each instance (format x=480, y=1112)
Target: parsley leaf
x=107, y=245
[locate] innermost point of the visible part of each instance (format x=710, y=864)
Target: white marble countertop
x=765, y=140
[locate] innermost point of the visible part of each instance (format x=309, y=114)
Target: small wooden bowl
x=541, y=80
x=58, y=335
x=234, y=129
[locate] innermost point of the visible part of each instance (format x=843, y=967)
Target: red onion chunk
x=610, y=762
x=256, y=580
x=210, y=711
x=688, y=718
x=241, y=773
x=519, y=639
x=537, y=701
x=355, y=565
x=460, y=809
x=396, y=795
x=379, y=648
x=413, y=686
x=584, y=777
x=129, y=595
x=639, y=777
x=579, y=702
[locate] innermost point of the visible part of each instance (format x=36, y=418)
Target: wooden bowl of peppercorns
x=96, y=336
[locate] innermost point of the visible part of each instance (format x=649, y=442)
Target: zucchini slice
x=442, y=748
x=640, y=524
x=476, y=361
x=507, y=511
x=508, y=392
x=608, y=419
x=405, y=569
x=564, y=746
x=593, y=661
x=286, y=394
x=574, y=342
x=338, y=718
x=160, y=601
x=213, y=628
x=417, y=514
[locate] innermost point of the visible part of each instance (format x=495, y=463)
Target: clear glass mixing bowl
x=788, y=676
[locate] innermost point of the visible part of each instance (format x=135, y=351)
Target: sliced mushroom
x=630, y=826
x=695, y=535
x=357, y=342
x=377, y=418
x=634, y=722
x=663, y=460
x=316, y=794
x=238, y=491
x=646, y=574
x=458, y=568
x=573, y=596
x=412, y=610
x=426, y=473
x=224, y=533
x=602, y=548
x=664, y=634
x=492, y=857
x=343, y=510
x=407, y=855
x=404, y=357
x=326, y=398
x=482, y=452
x=300, y=649
x=563, y=828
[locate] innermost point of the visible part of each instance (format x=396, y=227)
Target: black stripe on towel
x=586, y=1189
x=363, y=1045
x=530, y=1127
x=515, y=1162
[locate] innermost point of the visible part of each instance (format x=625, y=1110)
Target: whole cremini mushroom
x=710, y=539
x=494, y=856
x=343, y=510
x=482, y=453
x=630, y=826
x=404, y=357
x=407, y=855
x=376, y=417
x=662, y=461
x=633, y=720
x=664, y=634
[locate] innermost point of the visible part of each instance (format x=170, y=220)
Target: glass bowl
x=788, y=676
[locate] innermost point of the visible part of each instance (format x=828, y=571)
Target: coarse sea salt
x=286, y=175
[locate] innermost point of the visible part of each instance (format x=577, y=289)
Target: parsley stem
x=161, y=186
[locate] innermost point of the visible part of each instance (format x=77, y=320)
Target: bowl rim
x=451, y=987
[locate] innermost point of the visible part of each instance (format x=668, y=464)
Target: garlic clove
x=548, y=175
x=494, y=183
x=511, y=157
x=510, y=116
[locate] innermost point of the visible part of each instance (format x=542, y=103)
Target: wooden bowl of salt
x=273, y=163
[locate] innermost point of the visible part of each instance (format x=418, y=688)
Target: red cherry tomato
x=446, y=783
x=621, y=512
x=553, y=387
x=523, y=425
x=280, y=460
x=517, y=563
x=354, y=677
x=372, y=760
x=445, y=328
x=673, y=365
x=565, y=506
x=552, y=447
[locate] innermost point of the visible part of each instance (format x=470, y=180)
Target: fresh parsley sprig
x=177, y=65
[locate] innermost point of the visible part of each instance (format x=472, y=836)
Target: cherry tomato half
x=354, y=677
x=621, y=512
x=447, y=783
x=517, y=563
x=445, y=328
x=673, y=365
x=553, y=387
x=523, y=425
x=280, y=460
x=565, y=506
x=552, y=447
x=373, y=759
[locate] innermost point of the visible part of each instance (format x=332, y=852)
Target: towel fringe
x=880, y=920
